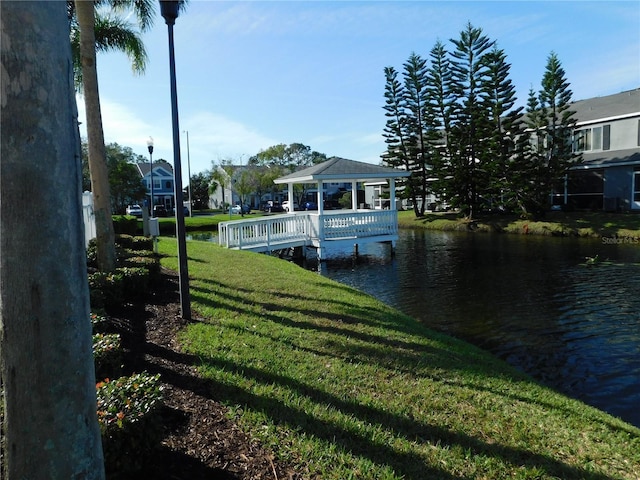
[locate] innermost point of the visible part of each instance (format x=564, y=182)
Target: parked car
x=134, y=210
x=272, y=206
x=309, y=206
x=185, y=211
x=237, y=209
x=285, y=206
x=159, y=211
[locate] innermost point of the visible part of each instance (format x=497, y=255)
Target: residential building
x=163, y=185
x=607, y=135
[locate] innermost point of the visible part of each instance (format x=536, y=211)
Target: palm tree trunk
x=50, y=423
x=105, y=237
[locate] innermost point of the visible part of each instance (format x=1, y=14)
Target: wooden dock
x=310, y=229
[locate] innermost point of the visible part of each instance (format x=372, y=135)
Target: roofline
x=341, y=178
x=608, y=119
x=590, y=166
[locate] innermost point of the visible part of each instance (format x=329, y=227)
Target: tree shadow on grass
x=410, y=465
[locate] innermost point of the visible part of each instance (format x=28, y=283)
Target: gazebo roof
x=338, y=169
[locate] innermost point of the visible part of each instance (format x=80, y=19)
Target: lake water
x=532, y=301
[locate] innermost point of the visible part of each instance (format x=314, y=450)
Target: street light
x=169, y=10
x=150, y=147
x=189, y=171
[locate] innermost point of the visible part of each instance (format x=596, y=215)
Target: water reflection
x=530, y=300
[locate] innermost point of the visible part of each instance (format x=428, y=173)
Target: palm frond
x=114, y=33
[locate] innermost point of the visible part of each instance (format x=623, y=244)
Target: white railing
x=304, y=228
x=267, y=232
x=360, y=224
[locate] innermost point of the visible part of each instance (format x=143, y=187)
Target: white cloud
x=120, y=125
x=211, y=136
x=216, y=137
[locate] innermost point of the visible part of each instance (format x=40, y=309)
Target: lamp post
x=169, y=10
x=189, y=171
x=150, y=147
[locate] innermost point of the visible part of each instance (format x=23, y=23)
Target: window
x=156, y=183
x=167, y=185
x=588, y=139
x=636, y=186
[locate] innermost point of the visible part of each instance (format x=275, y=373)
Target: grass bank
x=343, y=386
x=582, y=224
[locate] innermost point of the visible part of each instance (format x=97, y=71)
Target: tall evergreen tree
x=545, y=152
x=419, y=127
x=395, y=135
x=469, y=72
x=442, y=102
x=525, y=185
x=505, y=125
x=555, y=101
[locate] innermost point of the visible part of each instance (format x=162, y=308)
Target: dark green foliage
x=106, y=290
x=135, y=283
x=133, y=242
x=92, y=254
x=420, y=128
x=544, y=152
x=454, y=125
x=151, y=264
x=125, y=182
x=125, y=225
x=200, y=190
x=290, y=157
x=469, y=155
x=397, y=154
x=99, y=322
x=505, y=129
x=129, y=421
x=108, y=355
x=411, y=129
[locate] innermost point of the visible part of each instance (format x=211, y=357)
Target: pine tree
x=505, y=126
x=555, y=100
x=397, y=153
x=419, y=127
x=442, y=104
x=544, y=153
x=470, y=127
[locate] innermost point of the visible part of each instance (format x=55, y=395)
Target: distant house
x=163, y=191
x=608, y=137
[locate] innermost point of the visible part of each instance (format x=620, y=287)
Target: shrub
x=99, y=322
x=130, y=427
x=135, y=282
x=107, y=354
x=134, y=242
x=92, y=253
x=106, y=289
x=150, y=263
x=125, y=224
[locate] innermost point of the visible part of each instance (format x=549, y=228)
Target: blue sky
x=255, y=74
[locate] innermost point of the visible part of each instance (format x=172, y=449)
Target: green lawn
x=585, y=224
x=554, y=223
x=343, y=386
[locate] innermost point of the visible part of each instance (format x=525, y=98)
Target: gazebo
x=321, y=228
x=341, y=170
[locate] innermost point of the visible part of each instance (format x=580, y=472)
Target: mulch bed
x=200, y=441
